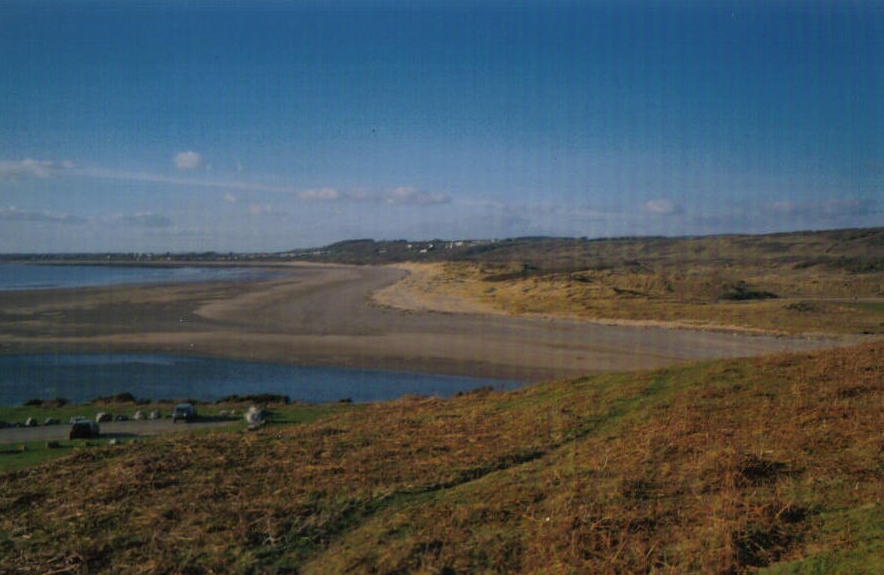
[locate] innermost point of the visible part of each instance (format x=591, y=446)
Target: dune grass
x=803, y=282
x=772, y=298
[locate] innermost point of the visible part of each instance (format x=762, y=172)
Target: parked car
x=185, y=411
x=84, y=429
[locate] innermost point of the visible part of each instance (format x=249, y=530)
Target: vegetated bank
x=808, y=282
x=38, y=430
x=769, y=465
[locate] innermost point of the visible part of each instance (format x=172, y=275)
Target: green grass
x=875, y=307
x=22, y=455
x=862, y=554
x=306, y=413
x=16, y=456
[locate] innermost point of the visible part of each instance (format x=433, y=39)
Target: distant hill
x=857, y=250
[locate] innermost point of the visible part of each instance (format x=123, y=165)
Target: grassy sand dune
x=765, y=298
x=730, y=466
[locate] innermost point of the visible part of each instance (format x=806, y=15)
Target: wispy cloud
x=321, y=195
x=662, y=207
x=13, y=214
x=194, y=182
x=137, y=220
x=403, y=196
x=31, y=168
x=413, y=196
x=834, y=208
x=189, y=161
x=146, y=220
x=259, y=209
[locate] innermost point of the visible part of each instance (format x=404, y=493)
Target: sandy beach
x=352, y=316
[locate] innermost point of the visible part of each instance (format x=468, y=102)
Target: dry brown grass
x=806, y=301
x=720, y=467
x=831, y=281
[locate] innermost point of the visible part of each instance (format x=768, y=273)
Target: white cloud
x=834, y=208
x=661, y=207
x=31, y=168
x=188, y=160
x=105, y=174
x=147, y=220
x=320, y=195
x=413, y=196
x=230, y=198
x=397, y=196
x=13, y=214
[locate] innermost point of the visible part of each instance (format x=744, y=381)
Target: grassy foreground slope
x=767, y=465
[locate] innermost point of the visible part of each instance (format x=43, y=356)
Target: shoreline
x=330, y=315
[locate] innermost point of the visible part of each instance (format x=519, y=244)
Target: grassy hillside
x=767, y=465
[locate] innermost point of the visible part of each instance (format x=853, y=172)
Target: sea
x=82, y=377
x=16, y=276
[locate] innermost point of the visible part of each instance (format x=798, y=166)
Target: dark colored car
x=84, y=429
x=185, y=411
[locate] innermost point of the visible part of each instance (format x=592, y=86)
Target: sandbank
x=354, y=316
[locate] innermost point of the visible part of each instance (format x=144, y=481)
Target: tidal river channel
x=82, y=377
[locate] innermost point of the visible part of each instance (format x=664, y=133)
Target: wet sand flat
x=326, y=315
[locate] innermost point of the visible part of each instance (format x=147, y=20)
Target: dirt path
x=325, y=315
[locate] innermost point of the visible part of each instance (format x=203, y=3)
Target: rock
x=121, y=417
x=31, y=422
x=139, y=415
x=255, y=415
x=103, y=416
x=51, y=421
x=113, y=441
x=155, y=415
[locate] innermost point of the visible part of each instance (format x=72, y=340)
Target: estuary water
x=15, y=276
x=81, y=377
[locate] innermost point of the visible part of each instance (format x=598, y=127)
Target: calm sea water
x=28, y=277
x=81, y=377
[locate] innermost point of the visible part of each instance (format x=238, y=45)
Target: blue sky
x=252, y=126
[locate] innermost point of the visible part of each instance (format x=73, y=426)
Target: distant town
x=362, y=250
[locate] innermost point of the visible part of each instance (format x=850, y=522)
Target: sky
x=269, y=125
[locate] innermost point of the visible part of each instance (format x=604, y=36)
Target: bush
x=124, y=397
x=256, y=398
x=740, y=291
x=57, y=402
